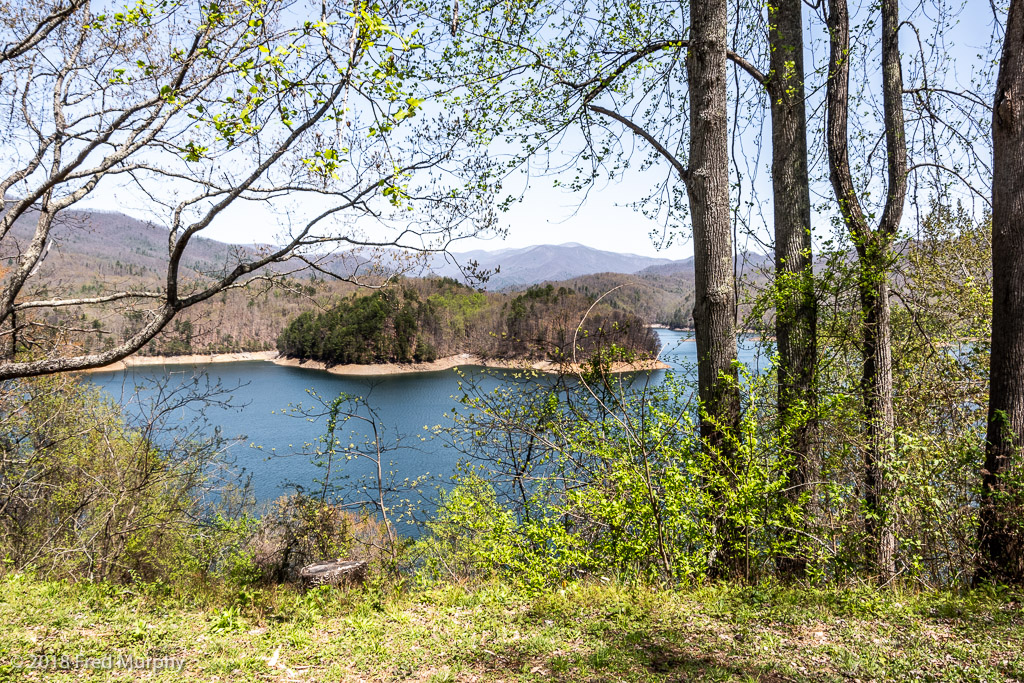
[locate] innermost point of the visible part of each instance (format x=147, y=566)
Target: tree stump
x=333, y=573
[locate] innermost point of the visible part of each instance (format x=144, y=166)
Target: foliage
x=382, y=327
x=567, y=479
x=417, y=322
x=354, y=434
x=297, y=108
x=298, y=530
x=86, y=495
x=618, y=466
x=941, y=297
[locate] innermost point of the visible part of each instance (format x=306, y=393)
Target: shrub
x=299, y=530
x=617, y=482
x=85, y=495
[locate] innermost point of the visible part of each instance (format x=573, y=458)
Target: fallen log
x=333, y=573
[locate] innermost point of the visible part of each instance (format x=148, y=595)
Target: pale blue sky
x=604, y=220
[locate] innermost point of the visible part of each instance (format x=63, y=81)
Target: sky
x=546, y=215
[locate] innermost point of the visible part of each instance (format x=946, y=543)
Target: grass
x=599, y=632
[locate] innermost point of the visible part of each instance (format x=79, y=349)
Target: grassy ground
x=597, y=632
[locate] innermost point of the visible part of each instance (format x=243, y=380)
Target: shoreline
x=376, y=369
x=191, y=359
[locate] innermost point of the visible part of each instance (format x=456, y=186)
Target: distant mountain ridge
x=93, y=253
x=521, y=267
x=84, y=238
x=88, y=240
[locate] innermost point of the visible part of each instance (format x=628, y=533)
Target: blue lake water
x=268, y=443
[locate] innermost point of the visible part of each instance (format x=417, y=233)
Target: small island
x=435, y=324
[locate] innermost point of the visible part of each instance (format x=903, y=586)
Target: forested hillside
x=95, y=253
x=419, y=321
x=663, y=293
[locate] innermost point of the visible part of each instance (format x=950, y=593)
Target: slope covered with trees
x=419, y=321
x=95, y=251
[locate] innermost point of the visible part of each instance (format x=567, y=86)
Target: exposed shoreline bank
x=191, y=359
x=377, y=369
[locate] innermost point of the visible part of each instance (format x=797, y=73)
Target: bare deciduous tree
x=198, y=111
x=874, y=253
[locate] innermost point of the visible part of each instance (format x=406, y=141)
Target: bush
x=473, y=536
x=299, y=530
x=619, y=483
x=84, y=495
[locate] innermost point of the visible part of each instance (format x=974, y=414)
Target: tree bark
x=795, y=307
x=1001, y=529
x=715, y=301
x=873, y=263
x=333, y=573
x=879, y=417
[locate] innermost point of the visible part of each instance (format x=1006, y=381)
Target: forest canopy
x=423, y=320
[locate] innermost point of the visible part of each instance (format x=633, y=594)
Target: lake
x=268, y=443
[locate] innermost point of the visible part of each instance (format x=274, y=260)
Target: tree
x=33, y=22
x=795, y=314
x=795, y=302
x=1001, y=530
x=707, y=184
x=602, y=68
x=87, y=491
x=605, y=64
x=199, y=110
x=874, y=255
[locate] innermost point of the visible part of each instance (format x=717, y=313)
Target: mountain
x=95, y=252
x=671, y=269
x=89, y=245
x=663, y=292
x=749, y=264
x=518, y=268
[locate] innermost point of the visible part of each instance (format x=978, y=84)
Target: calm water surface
x=268, y=444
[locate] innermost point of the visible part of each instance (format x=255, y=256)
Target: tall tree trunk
x=715, y=300
x=796, y=311
x=874, y=254
x=879, y=412
x=1001, y=532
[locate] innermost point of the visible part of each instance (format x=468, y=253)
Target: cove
x=268, y=444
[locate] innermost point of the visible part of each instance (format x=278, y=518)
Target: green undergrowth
x=605, y=631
